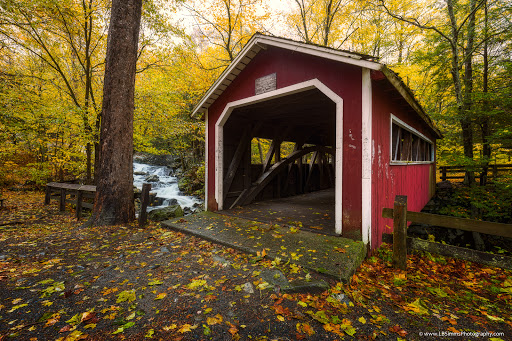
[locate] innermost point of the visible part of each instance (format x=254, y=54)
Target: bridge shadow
x=312, y=211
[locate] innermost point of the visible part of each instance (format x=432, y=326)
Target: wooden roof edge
x=409, y=97
x=261, y=40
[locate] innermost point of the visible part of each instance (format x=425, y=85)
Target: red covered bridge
x=357, y=129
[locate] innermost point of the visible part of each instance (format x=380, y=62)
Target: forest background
x=455, y=55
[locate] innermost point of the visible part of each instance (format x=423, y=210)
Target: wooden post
x=241, y=149
x=62, y=206
x=79, y=198
x=47, y=195
x=144, y=200
x=443, y=173
x=400, y=232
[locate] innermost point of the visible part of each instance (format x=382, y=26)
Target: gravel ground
x=62, y=282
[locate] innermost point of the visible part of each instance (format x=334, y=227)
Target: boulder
x=173, y=201
x=152, y=178
x=445, y=185
x=140, y=173
x=165, y=213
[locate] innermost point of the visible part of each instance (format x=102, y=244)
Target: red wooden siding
x=391, y=180
x=292, y=68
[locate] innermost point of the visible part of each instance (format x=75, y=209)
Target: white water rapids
x=166, y=187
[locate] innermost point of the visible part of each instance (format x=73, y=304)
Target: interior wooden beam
x=298, y=146
x=241, y=150
x=270, y=154
x=311, y=164
x=248, y=195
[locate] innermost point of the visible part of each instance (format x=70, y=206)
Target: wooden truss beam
x=241, y=150
x=248, y=195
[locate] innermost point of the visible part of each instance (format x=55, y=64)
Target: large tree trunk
x=114, y=195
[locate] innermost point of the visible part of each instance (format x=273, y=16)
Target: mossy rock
x=160, y=214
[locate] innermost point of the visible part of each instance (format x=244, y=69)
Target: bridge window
x=408, y=145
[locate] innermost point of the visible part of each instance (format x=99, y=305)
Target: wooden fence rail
x=401, y=216
x=454, y=172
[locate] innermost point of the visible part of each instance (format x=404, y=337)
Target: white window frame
x=402, y=124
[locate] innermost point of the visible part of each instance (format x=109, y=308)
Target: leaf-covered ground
x=60, y=282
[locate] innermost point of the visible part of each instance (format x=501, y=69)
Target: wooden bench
x=77, y=192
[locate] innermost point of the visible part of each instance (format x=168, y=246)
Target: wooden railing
x=401, y=216
x=457, y=172
x=75, y=194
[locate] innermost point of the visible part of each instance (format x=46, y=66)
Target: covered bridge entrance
x=301, y=117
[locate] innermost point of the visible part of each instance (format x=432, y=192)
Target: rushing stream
x=164, y=185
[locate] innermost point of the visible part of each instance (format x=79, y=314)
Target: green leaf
x=123, y=327
x=127, y=295
x=45, y=316
x=155, y=282
x=437, y=291
x=75, y=319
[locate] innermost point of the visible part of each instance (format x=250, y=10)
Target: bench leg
x=79, y=196
x=62, y=206
x=47, y=195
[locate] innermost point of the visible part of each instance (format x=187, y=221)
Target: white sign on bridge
x=266, y=83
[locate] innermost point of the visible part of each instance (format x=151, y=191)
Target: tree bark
x=114, y=195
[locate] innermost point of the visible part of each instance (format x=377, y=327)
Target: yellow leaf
x=16, y=307
x=170, y=327
x=160, y=296
x=507, y=286
x=416, y=307
x=362, y=320
x=280, y=318
x=214, y=320
x=495, y=318
x=196, y=283
x=185, y=328
x=76, y=335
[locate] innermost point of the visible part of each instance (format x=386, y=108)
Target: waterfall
x=164, y=185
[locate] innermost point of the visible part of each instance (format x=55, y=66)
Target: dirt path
x=58, y=282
